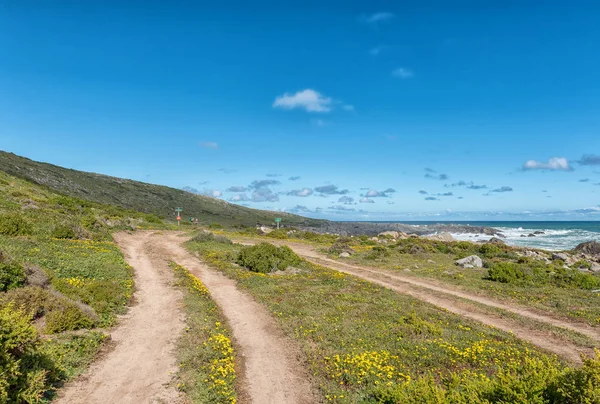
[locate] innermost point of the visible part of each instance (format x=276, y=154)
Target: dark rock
x=531, y=235
x=539, y=232
x=560, y=256
x=496, y=240
x=590, y=247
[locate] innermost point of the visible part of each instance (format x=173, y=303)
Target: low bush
x=61, y=314
x=341, y=245
x=12, y=274
x=215, y=226
x=265, y=258
x=565, y=278
x=63, y=231
x=21, y=377
x=507, y=272
x=531, y=272
x=534, y=381
x=66, y=318
x=152, y=218
x=14, y=225
x=377, y=252
x=280, y=234
x=207, y=237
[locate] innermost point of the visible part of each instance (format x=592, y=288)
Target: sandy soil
x=273, y=371
x=458, y=302
x=141, y=364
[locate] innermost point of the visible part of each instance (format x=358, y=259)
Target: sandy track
x=141, y=364
x=450, y=299
x=273, y=371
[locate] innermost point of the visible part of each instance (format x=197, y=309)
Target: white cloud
x=379, y=17
x=209, y=145
x=403, y=73
x=553, y=164
x=304, y=192
x=308, y=99
x=239, y=198
x=366, y=200
x=217, y=193
x=377, y=50
x=319, y=122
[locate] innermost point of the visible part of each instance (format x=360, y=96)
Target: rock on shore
x=375, y=228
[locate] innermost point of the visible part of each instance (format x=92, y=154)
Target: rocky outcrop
x=393, y=234
x=560, y=256
x=496, y=240
x=472, y=261
x=441, y=237
x=589, y=248
x=373, y=228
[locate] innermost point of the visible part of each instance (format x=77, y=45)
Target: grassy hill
x=140, y=196
x=59, y=272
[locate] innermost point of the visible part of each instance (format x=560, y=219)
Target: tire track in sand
x=142, y=362
x=449, y=299
x=273, y=369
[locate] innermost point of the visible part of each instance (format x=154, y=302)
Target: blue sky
x=384, y=110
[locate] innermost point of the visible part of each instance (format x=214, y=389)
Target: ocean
x=557, y=235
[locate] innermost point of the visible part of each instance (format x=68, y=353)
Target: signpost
x=178, y=210
x=277, y=220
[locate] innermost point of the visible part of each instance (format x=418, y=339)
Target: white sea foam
x=552, y=240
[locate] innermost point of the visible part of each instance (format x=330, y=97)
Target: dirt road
x=142, y=362
x=460, y=302
x=273, y=371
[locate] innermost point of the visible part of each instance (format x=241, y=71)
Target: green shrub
x=341, y=245
x=215, y=226
x=265, y=258
x=578, y=385
x=21, y=378
x=582, y=264
x=279, y=234
x=507, y=272
x=89, y=222
x=377, y=252
x=12, y=274
x=63, y=231
x=61, y=314
x=207, y=237
x=69, y=317
x=152, y=218
x=14, y=225
x=490, y=250
x=566, y=278
x=419, y=326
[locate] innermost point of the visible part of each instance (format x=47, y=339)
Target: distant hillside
x=140, y=196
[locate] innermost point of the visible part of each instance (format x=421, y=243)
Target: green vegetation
x=29, y=366
x=151, y=199
x=12, y=274
x=366, y=344
x=206, y=236
x=207, y=371
x=531, y=273
x=506, y=274
x=264, y=258
x=59, y=271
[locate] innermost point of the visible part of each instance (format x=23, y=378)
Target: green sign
x=277, y=219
